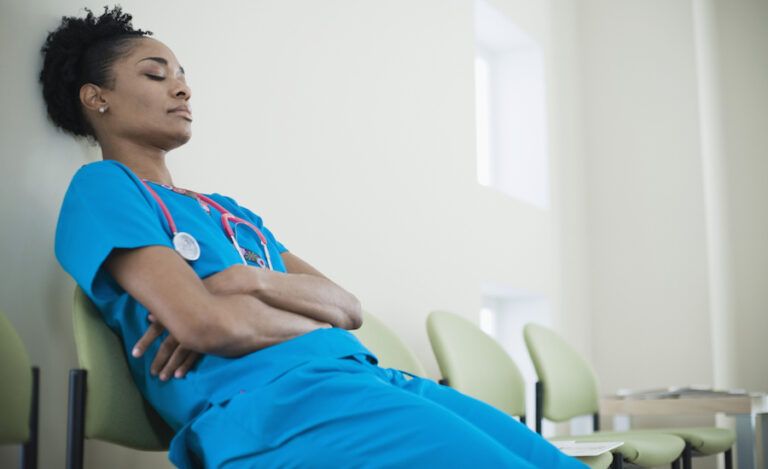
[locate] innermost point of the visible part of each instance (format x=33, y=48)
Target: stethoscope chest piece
x=186, y=245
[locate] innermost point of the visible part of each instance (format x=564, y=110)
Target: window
x=510, y=108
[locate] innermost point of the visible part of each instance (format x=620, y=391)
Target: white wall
x=741, y=33
x=645, y=202
x=347, y=124
x=674, y=109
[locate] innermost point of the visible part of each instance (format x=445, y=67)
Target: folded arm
x=229, y=324
x=302, y=290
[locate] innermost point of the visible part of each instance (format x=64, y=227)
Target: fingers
x=164, y=353
x=171, y=359
x=153, y=332
x=176, y=363
x=187, y=364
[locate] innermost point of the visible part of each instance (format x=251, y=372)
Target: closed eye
x=155, y=77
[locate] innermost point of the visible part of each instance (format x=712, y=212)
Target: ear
x=91, y=97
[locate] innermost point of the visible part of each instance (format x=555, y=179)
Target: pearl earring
x=103, y=109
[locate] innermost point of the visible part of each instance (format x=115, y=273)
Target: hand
x=172, y=359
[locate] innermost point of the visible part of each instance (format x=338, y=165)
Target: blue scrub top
x=107, y=207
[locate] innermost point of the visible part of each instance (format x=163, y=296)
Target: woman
x=246, y=352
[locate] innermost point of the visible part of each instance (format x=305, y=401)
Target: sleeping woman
x=241, y=346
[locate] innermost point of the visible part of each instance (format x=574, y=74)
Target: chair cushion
x=703, y=440
x=115, y=409
x=644, y=449
x=598, y=462
x=16, y=390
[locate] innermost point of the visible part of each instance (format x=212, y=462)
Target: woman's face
x=149, y=101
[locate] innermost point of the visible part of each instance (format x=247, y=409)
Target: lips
x=183, y=111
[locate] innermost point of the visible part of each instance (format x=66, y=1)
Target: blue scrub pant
x=349, y=412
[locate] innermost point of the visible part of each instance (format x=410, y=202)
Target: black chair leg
x=29, y=449
x=618, y=461
x=676, y=463
x=539, y=403
x=76, y=420
x=728, y=455
x=687, y=457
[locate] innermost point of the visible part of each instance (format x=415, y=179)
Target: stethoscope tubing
x=226, y=218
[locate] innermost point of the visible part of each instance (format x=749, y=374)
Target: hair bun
x=79, y=51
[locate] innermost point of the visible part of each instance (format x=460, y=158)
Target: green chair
x=602, y=461
x=104, y=403
x=567, y=388
x=475, y=364
x=387, y=346
x=19, y=395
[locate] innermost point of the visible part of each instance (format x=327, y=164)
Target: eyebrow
x=161, y=60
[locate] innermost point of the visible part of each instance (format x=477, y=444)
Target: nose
x=182, y=90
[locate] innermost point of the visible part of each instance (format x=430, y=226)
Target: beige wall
x=741, y=31
x=675, y=117
x=645, y=195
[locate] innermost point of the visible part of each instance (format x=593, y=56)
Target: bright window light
x=488, y=321
x=510, y=108
x=482, y=118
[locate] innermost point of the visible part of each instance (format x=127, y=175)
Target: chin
x=181, y=138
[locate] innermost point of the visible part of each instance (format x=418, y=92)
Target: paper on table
x=678, y=393
x=586, y=448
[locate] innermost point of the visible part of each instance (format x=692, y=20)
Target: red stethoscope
x=186, y=244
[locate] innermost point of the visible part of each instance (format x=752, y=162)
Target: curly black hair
x=80, y=51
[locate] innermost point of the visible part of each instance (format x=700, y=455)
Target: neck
x=145, y=161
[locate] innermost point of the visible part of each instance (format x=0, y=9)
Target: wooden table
x=746, y=409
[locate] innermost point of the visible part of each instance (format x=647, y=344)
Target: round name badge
x=186, y=245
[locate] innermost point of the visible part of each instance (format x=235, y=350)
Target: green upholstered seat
x=704, y=441
x=569, y=390
x=115, y=411
x=602, y=461
x=19, y=395
x=644, y=450
x=475, y=364
x=16, y=387
x=569, y=383
x=387, y=346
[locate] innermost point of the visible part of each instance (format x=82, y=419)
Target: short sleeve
x=253, y=218
x=104, y=208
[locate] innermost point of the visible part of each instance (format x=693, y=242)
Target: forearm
x=309, y=295
x=240, y=323
x=313, y=296
x=201, y=318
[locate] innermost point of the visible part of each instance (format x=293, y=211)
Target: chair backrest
x=115, y=411
x=15, y=386
x=568, y=382
x=475, y=364
x=387, y=346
